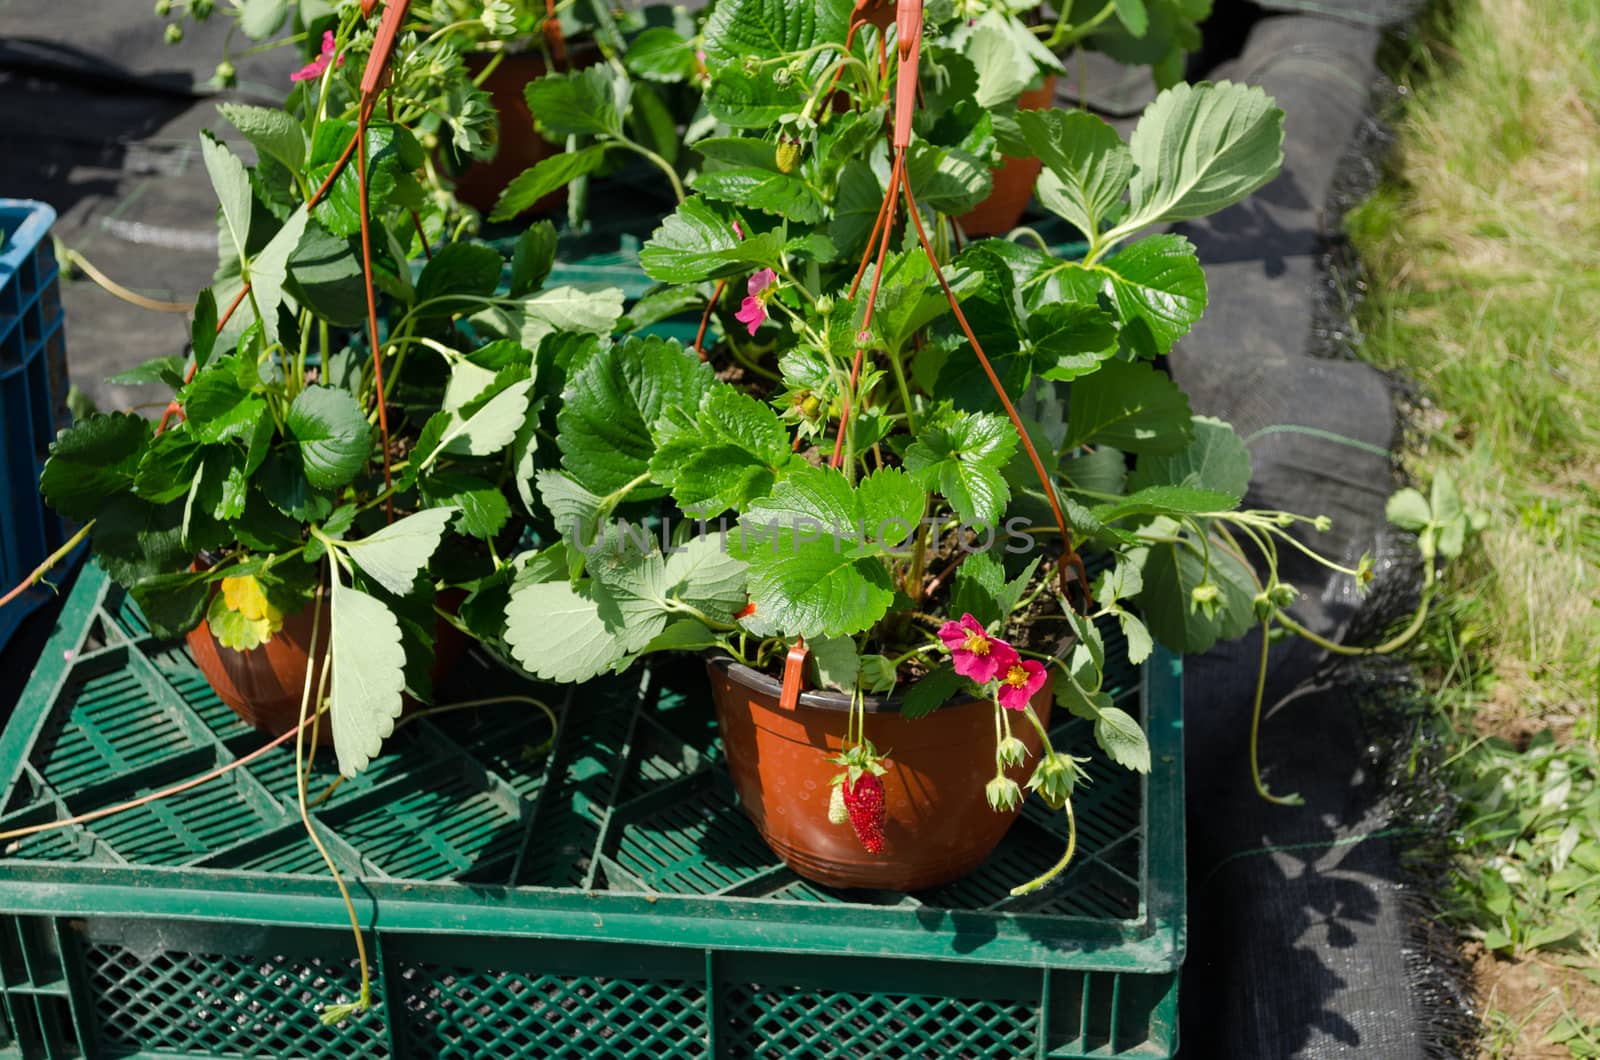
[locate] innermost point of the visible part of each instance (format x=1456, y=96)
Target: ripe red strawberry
x=864, y=801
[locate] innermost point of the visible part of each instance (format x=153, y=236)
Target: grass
x=1482, y=248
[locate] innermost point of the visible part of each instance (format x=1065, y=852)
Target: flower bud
x=1323, y=523
x=1284, y=594
x=1003, y=793
x=1011, y=752
x=174, y=33
x=201, y=9
x=163, y=8
x=226, y=75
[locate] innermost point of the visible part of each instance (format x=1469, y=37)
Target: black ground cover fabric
x=1302, y=941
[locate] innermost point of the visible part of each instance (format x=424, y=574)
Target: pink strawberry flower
x=753, y=310
x=1019, y=682
x=314, y=69
x=975, y=653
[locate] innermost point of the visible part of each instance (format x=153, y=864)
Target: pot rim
x=760, y=681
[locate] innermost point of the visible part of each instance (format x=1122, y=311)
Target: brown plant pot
x=1013, y=181
x=521, y=146
x=264, y=686
x=939, y=825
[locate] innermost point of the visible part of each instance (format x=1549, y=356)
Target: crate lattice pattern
x=630, y=799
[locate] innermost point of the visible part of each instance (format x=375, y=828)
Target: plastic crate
x=605, y=898
x=33, y=397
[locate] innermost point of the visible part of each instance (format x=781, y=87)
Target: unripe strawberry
x=788, y=154
x=863, y=800
x=837, y=814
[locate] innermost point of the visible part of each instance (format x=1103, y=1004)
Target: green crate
x=602, y=899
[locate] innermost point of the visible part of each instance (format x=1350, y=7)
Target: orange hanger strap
x=383, y=47
x=1071, y=555
x=794, y=675
x=908, y=45
x=887, y=216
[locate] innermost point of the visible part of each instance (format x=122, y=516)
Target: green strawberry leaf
x=368, y=676
x=814, y=546
x=1128, y=405
x=332, y=434
x=725, y=454
x=92, y=461
x=603, y=428
x=1215, y=460
x=962, y=457
x=395, y=555
x=695, y=243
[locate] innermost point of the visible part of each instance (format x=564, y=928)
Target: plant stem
x=365, y=1000
x=1056, y=869
x=1255, y=727
x=50, y=561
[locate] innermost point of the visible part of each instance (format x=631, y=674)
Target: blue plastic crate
x=33, y=397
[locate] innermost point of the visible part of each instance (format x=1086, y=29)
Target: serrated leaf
x=1128, y=405
x=172, y=604
x=706, y=576
x=962, y=459
x=202, y=333
x=659, y=54
x=332, y=434
x=559, y=309
x=1088, y=165
x=273, y=133
x=134, y=540
x=1408, y=509
x=217, y=407
x=1120, y=736
x=1200, y=148
x=231, y=184
x=1134, y=16
x=1140, y=644
x=269, y=272
x=168, y=370
x=394, y=556
x=260, y=19
x=486, y=423
x=533, y=258
x=1215, y=460
x=603, y=428
x=456, y=277
x=1159, y=291
x=325, y=275
x=1170, y=572
x=936, y=688
x=584, y=102
x=546, y=176
x=1166, y=500
x=368, y=676
x=694, y=243
x=724, y=454
x=836, y=661
x=555, y=631
x=744, y=171
x=91, y=461
x=1070, y=339
x=947, y=179
x=814, y=544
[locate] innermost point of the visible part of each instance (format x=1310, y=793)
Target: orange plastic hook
x=908, y=46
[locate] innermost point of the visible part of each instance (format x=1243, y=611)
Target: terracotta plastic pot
x=521, y=146
x=264, y=686
x=1013, y=181
x=939, y=825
